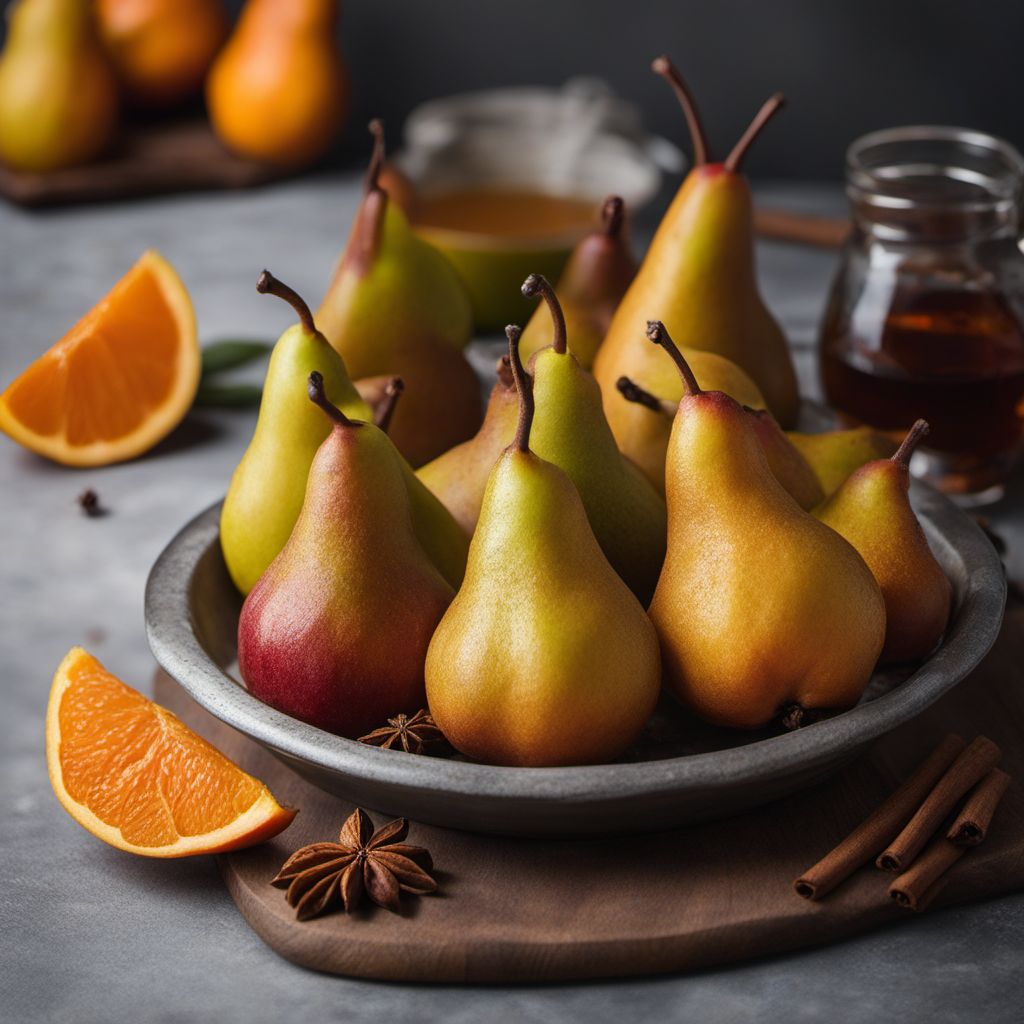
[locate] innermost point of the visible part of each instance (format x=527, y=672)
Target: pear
x=835, y=454
x=336, y=630
x=644, y=420
x=625, y=511
x=459, y=476
x=278, y=90
x=599, y=271
x=395, y=306
x=58, y=94
x=789, y=467
x=267, y=488
x=872, y=511
x=761, y=610
x=698, y=278
x=544, y=657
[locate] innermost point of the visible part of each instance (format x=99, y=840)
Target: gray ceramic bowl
x=678, y=772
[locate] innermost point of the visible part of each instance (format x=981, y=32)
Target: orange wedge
x=132, y=774
x=120, y=380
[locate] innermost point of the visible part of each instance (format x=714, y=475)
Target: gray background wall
x=847, y=66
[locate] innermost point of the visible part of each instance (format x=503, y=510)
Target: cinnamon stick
x=921, y=882
x=965, y=772
x=880, y=826
x=971, y=825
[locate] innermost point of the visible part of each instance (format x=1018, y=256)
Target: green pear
x=626, y=513
x=872, y=511
x=58, y=93
x=698, y=278
x=761, y=610
x=459, y=476
x=590, y=288
x=267, y=488
x=835, y=454
x=396, y=306
x=336, y=630
x=544, y=657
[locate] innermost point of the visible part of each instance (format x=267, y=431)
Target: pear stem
x=504, y=372
x=392, y=393
x=657, y=333
x=376, y=127
x=525, y=388
x=317, y=395
x=537, y=284
x=267, y=283
x=632, y=392
x=770, y=108
x=664, y=67
x=612, y=216
x=910, y=443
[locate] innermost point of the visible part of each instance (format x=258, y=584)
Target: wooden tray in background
x=519, y=910
x=176, y=156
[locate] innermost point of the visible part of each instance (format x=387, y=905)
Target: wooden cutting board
x=168, y=156
x=514, y=910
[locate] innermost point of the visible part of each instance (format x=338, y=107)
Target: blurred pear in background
x=279, y=89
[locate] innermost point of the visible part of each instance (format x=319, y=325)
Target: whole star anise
x=322, y=875
x=414, y=735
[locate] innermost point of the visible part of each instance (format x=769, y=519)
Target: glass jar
x=926, y=311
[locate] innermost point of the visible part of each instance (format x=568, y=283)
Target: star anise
x=322, y=875
x=414, y=735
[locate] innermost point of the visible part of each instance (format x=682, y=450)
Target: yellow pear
x=761, y=610
x=698, y=278
x=544, y=657
x=58, y=94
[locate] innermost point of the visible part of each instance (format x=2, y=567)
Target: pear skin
x=626, y=513
x=642, y=422
x=459, y=476
x=788, y=466
x=267, y=487
x=590, y=288
x=759, y=609
x=336, y=631
x=872, y=511
x=835, y=454
x=58, y=94
x=544, y=657
x=698, y=278
x=278, y=91
x=395, y=306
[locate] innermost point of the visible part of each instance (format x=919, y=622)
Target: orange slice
x=120, y=380
x=136, y=777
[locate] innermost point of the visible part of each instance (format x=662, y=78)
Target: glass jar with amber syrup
x=926, y=311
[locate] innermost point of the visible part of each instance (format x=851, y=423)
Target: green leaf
x=228, y=396
x=230, y=353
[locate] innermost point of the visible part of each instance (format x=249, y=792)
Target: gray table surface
x=89, y=934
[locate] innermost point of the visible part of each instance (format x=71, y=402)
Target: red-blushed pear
x=590, y=288
x=698, y=278
x=544, y=657
x=872, y=511
x=761, y=610
x=625, y=511
x=336, y=630
x=459, y=476
x=396, y=306
x=791, y=469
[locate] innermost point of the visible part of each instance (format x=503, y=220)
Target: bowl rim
x=979, y=601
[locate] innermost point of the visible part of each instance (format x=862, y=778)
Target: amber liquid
x=954, y=358
x=505, y=213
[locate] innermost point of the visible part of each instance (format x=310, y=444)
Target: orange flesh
x=103, y=390
x=130, y=772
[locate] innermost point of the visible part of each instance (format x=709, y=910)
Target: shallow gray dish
x=192, y=617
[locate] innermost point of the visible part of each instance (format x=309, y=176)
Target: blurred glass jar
x=926, y=310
